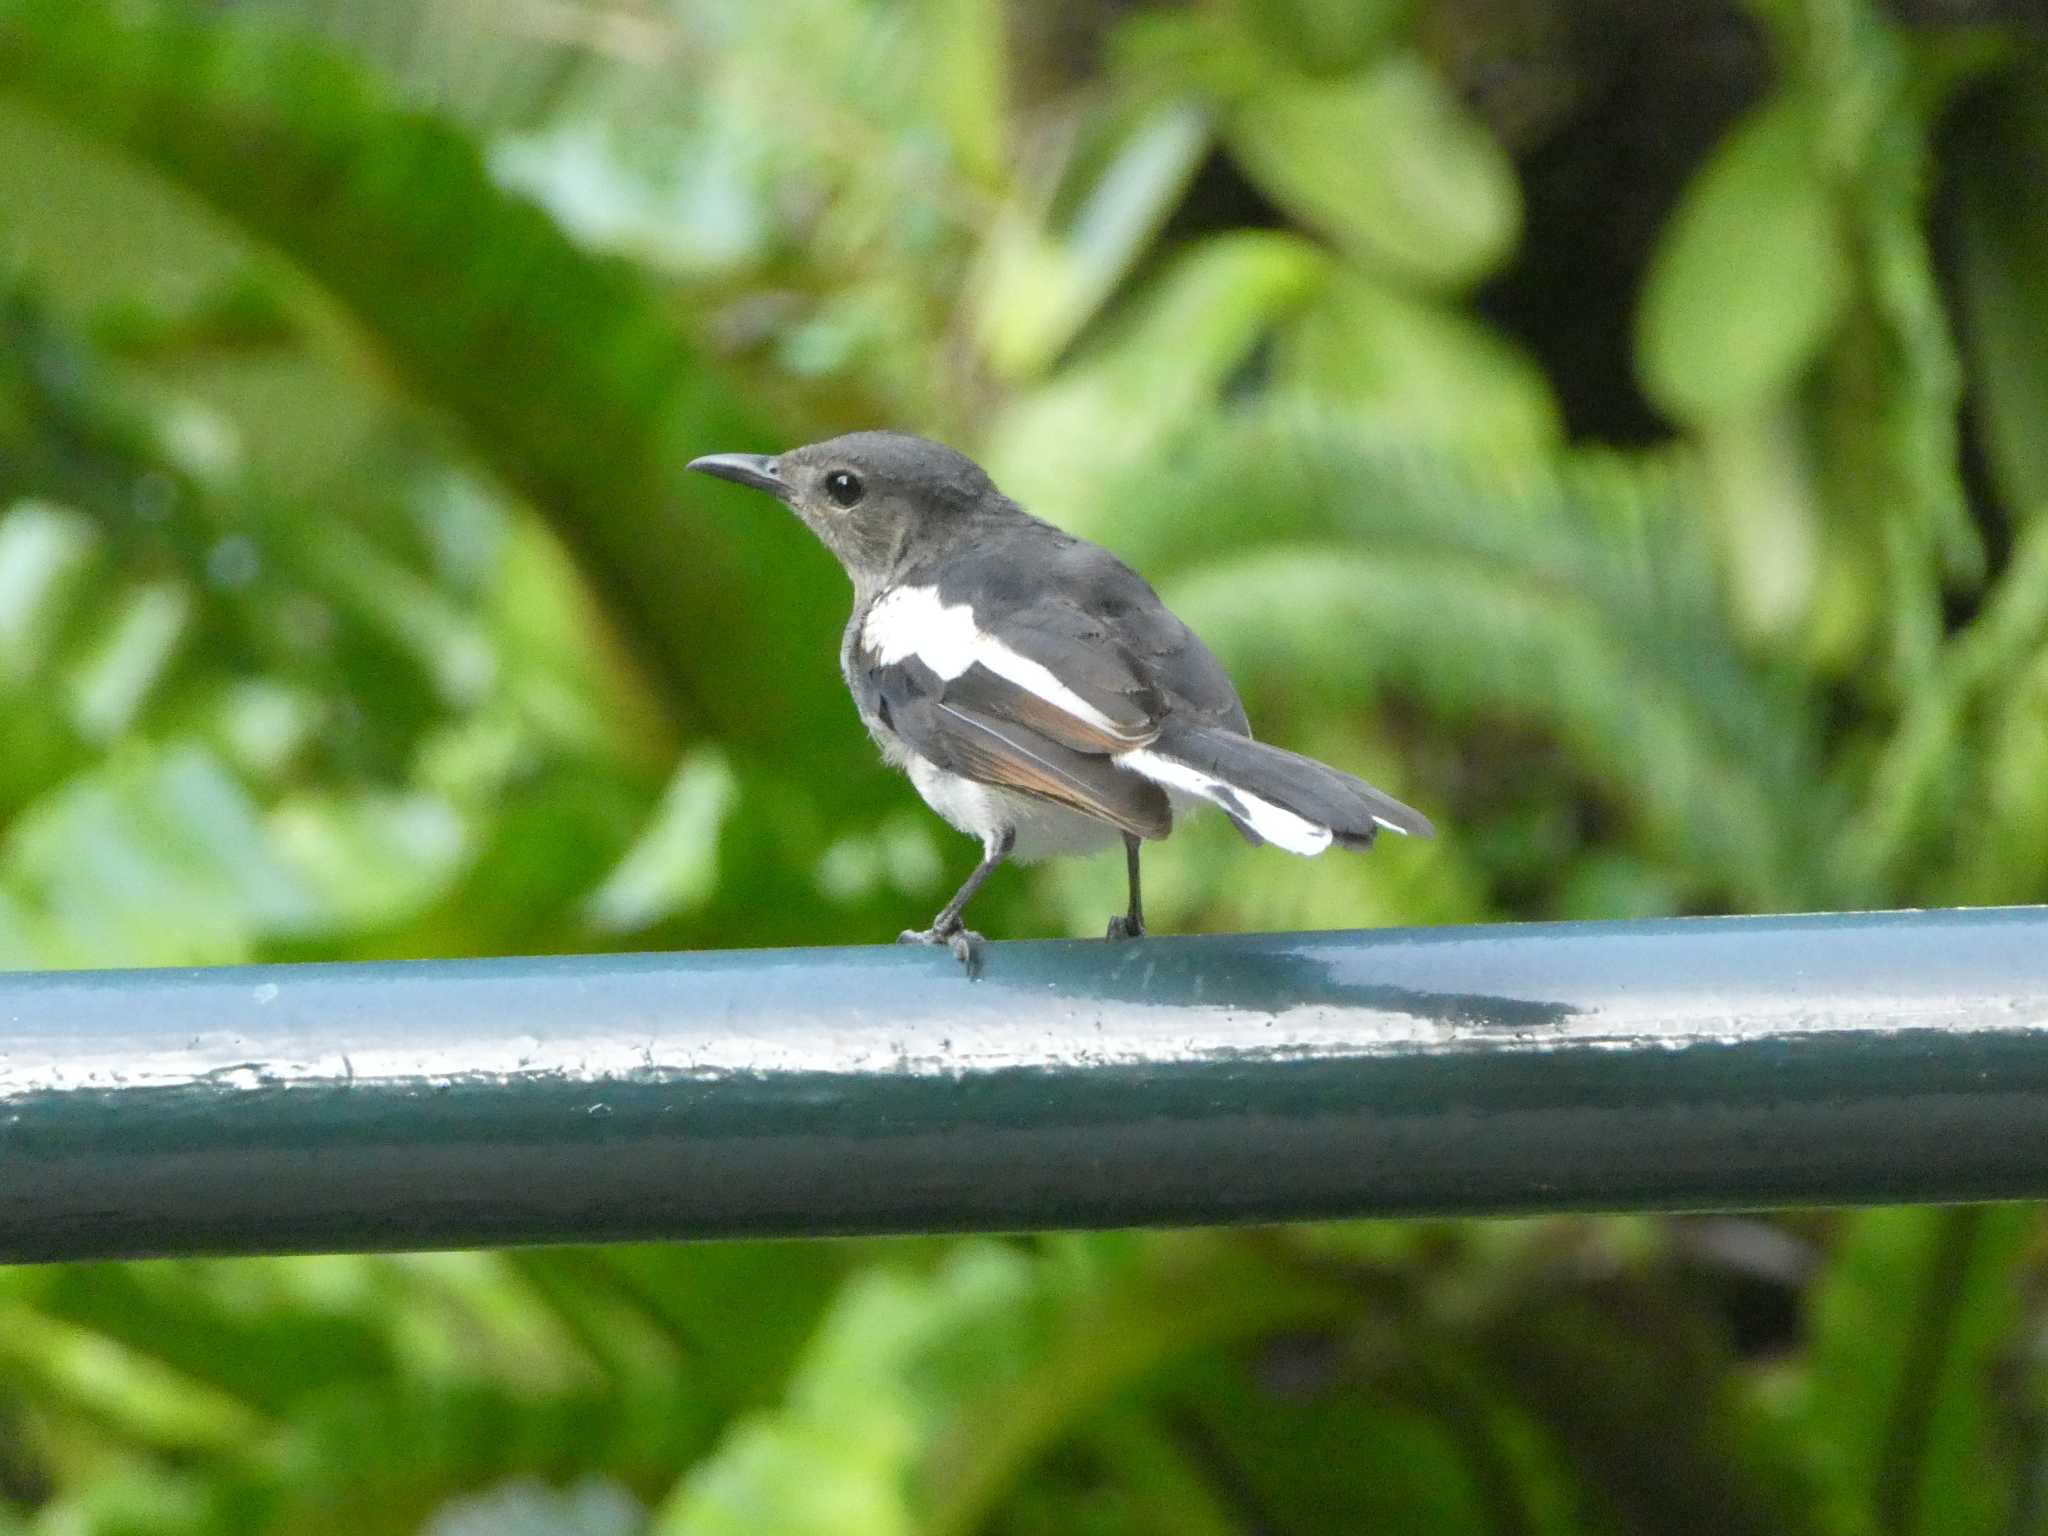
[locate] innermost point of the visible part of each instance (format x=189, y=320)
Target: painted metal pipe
x=1700, y=1063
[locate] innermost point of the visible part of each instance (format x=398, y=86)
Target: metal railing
x=1662, y=1065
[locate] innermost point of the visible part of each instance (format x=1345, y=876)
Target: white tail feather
x=1275, y=823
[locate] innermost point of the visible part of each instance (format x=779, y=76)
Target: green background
x=1620, y=430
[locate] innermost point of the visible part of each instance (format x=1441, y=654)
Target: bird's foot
x=965, y=943
x=1124, y=926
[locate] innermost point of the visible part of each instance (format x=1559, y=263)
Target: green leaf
x=1041, y=281
x=1901, y=1410
x=589, y=402
x=1922, y=375
x=265, y=1335
x=1121, y=1324
x=673, y=865
x=136, y=1499
x=1414, y=372
x=835, y=1458
x=696, y=1291
x=1159, y=1476
x=2004, y=855
x=109, y=685
x=1891, y=394
x=1337, y=1456
x=244, y=312
x=132, y=1392
x=524, y=1507
x=971, y=86
x=1767, y=518
x=2004, y=284
x=550, y=839
x=1921, y=795
x=1388, y=164
x=45, y=553
x=1325, y=36
x=375, y=858
x=1157, y=376
x=157, y=857
x=1749, y=276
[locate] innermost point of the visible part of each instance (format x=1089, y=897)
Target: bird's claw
x=1125, y=927
x=965, y=944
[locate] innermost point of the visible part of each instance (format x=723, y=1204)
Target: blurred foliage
x=1618, y=429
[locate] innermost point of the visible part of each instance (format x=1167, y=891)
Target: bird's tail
x=1272, y=795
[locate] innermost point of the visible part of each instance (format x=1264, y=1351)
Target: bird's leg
x=946, y=928
x=1132, y=924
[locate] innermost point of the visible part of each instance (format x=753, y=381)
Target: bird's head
x=872, y=498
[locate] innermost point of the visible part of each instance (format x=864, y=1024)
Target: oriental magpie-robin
x=1035, y=689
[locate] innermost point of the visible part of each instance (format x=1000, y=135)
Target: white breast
x=1044, y=830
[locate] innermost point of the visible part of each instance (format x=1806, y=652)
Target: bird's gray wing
x=912, y=701
x=1074, y=644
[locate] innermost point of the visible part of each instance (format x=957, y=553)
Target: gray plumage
x=1351, y=808
x=1033, y=686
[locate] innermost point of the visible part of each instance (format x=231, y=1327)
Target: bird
x=1035, y=689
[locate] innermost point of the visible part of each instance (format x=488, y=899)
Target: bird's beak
x=755, y=470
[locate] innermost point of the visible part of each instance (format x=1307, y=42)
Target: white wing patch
x=911, y=621
x=1275, y=823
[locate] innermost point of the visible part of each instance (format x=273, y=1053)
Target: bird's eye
x=844, y=488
